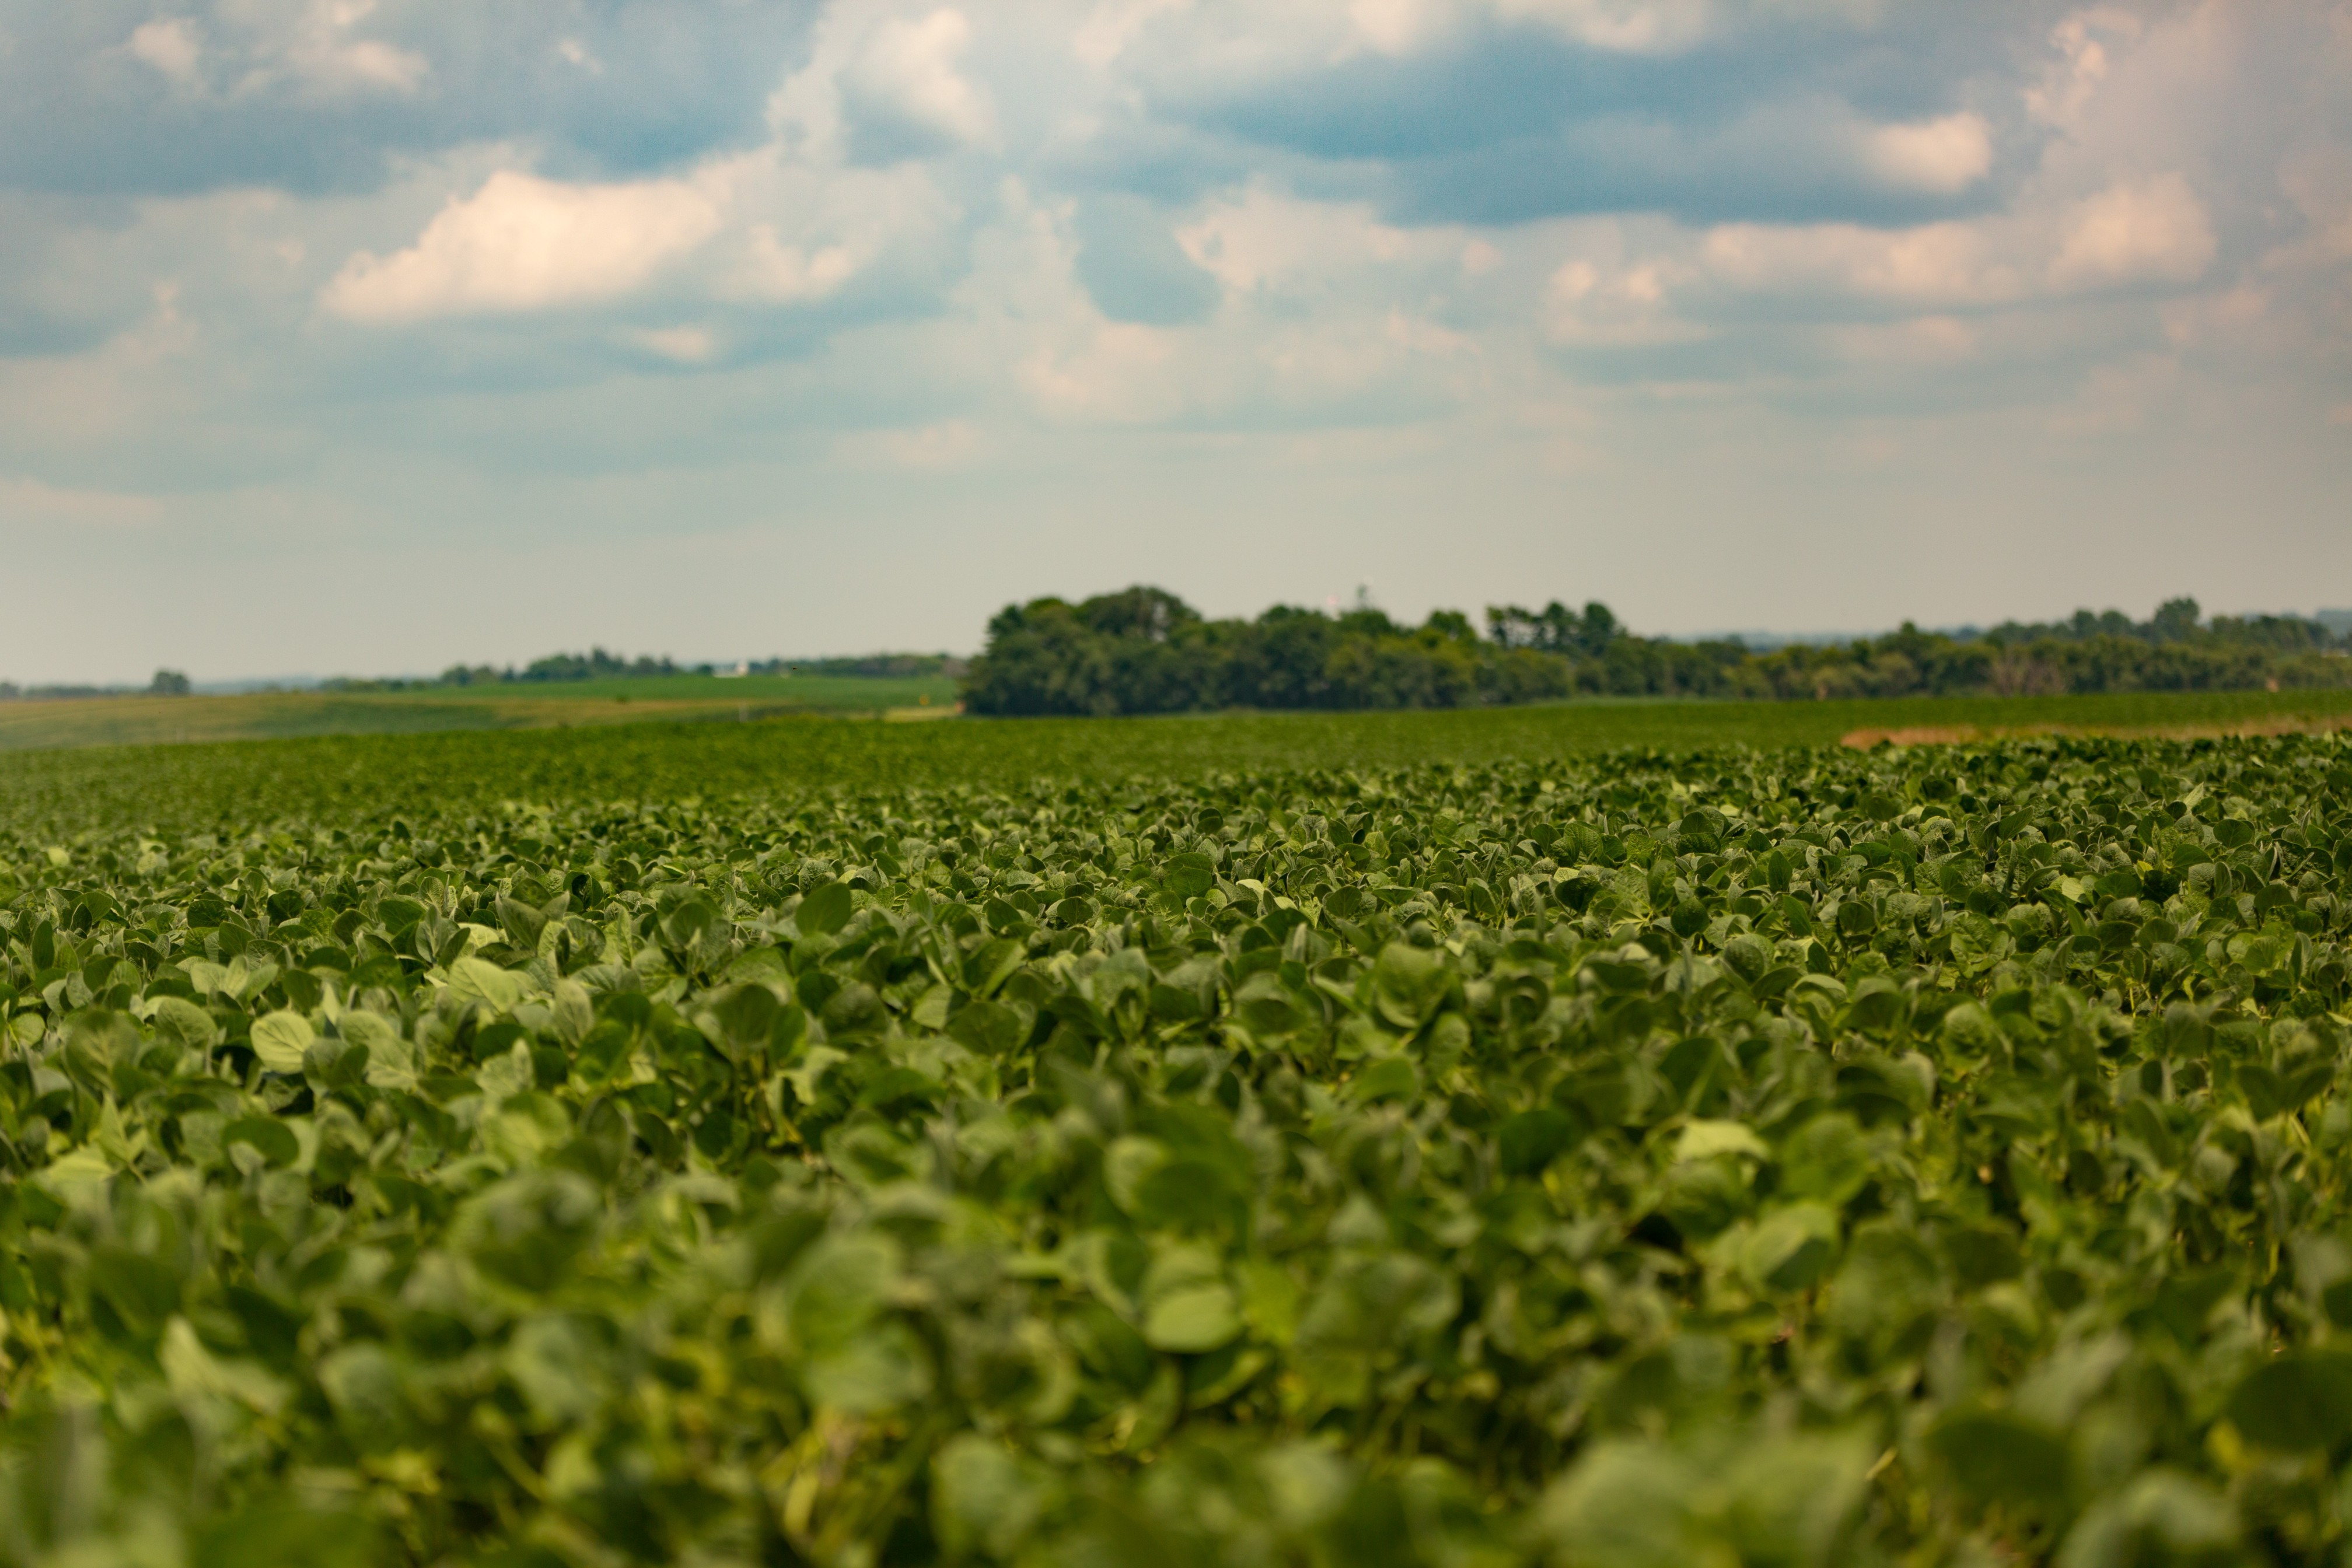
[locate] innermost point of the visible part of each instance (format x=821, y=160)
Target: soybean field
x=1377, y=1139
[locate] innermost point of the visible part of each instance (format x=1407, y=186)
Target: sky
x=370, y=336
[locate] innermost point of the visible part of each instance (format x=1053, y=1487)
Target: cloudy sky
x=369, y=335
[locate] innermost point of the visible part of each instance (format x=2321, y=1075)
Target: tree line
x=599, y=665
x=1144, y=650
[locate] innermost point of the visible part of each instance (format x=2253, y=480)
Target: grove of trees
x=1144, y=650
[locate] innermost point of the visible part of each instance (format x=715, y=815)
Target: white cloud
x=1617, y=27
x=1629, y=27
x=1947, y=262
x=757, y=230
x=315, y=46
x=1589, y=305
x=779, y=272
x=2085, y=43
x=173, y=46
x=2155, y=230
x=1399, y=27
x=1258, y=238
x=1116, y=371
x=1943, y=156
x=908, y=70
x=2152, y=231
x=522, y=242
x=1104, y=36
x=679, y=345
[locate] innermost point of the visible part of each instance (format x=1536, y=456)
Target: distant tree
x=2176, y=620
x=1153, y=614
x=168, y=684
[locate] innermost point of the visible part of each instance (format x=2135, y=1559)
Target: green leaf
x=1703, y=1140
x=1826, y=1159
x=1408, y=984
x=1532, y=1139
x=1189, y=873
x=2296, y=1402
x=1997, y=1456
x=823, y=910
x=184, y=1024
x=1790, y=1247
x=282, y=1040
x=1192, y=1320
x=273, y=1140
x=478, y=979
x=992, y=1028
x=1390, y=1078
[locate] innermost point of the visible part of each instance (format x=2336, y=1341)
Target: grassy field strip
x=1970, y=734
x=850, y=693
x=1231, y=739
x=41, y=724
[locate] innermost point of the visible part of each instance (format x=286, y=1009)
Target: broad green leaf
x=478, y=979
x=282, y=1039
x=2302, y=1401
x=1191, y=1320
x=184, y=1023
x=824, y=911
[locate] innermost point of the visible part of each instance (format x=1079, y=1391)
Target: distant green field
x=570, y=751
x=1235, y=740
x=44, y=724
x=828, y=692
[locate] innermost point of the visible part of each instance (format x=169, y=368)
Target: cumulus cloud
x=882, y=88
x=310, y=49
x=1946, y=263
x=1615, y=26
x=1112, y=25
x=2082, y=47
x=753, y=232
x=522, y=242
x=2151, y=230
x=776, y=270
x=678, y=345
x=1943, y=156
x=1632, y=26
x=1261, y=238
x=172, y=46
x=2146, y=231
x=908, y=74
x=319, y=48
x=1399, y=27
x=1596, y=305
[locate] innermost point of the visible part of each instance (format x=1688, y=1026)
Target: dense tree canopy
x=1144, y=650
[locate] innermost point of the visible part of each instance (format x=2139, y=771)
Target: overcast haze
x=351, y=337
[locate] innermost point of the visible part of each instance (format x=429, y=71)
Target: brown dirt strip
x=1969, y=734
